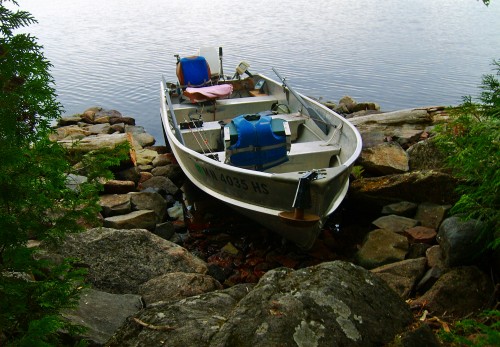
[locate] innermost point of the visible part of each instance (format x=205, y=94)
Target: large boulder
x=119, y=261
x=331, y=304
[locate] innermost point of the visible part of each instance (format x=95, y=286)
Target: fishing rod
x=318, y=118
x=171, y=109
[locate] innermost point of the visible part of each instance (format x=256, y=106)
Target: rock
x=130, y=174
x=431, y=215
x=150, y=201
x=134, y=129
x=425, y=155
x=177, y=285
x=92, y=143
x=73, y=181
x=287, y=308
x=305, y=308
x=398, y=224
x=419, y=186
x=402, y=276
x=103, y=128
x=144, y=219
x=421, y=336
x=144, y=177
x=119, y=261
x=118, y=187
x=435, y=257
x=171, y=171
x=145, y=156
x=403, y=125
x=165, y=230
x=69, y=133
x=189, y=322
x=93, y=312
x=459, y=292
x=71, y=120
x=144, y=139
x=100, y=112
x=403, y=208
x=124, y=120
x=384, y=159
x=346, y=104
x=162, y=160
x=417, y=250
x=117, y=127
x=381, y=247
x=462, y=242
x=429, y=278
x=420, y=234
x=115, y=204
x=161, y=183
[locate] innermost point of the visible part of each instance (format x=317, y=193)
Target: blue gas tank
x=256, y=142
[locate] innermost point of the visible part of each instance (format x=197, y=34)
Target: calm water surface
x=401, y=54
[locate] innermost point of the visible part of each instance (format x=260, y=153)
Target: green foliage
x=484, y=331
x=472, y=141
x=357, y=172
x=35, y=200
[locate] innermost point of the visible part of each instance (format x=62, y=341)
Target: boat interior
x=201, y=122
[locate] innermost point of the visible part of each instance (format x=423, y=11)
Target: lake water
x=398, y=53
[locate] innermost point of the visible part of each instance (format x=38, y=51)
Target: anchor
x=301, y=202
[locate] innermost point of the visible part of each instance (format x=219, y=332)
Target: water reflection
x=112, y=53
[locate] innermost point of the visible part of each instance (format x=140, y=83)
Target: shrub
x=472, y=141
x=35, y=201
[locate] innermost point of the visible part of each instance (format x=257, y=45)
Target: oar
x=321, y=121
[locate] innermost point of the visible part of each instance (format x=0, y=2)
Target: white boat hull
x=262, y=196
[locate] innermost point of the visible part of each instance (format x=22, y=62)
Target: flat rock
x=382, y=247
x=115, y=204
x=402, y=276
x=118, y=187
x=93, y=312
x=119, y=261
x=403, y=208
x=144, y=219
x=395, y=223
x=420, y=234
